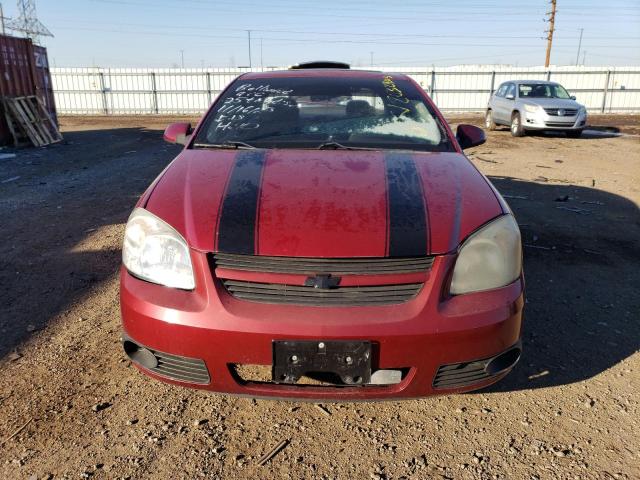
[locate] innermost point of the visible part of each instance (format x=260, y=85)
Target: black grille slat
x=460, y=374
x=180, y=368
x=312, y=266
x=460, y=383
x=176, y=360
x=282, y=288
x=458, y=367
x=185, y=369
x=295, y=294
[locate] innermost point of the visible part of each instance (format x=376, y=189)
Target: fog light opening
x=140, y=355
x=503, y=362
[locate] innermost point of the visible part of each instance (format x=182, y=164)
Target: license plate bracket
x=349, y=360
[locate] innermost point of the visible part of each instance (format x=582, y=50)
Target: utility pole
x=1, y=20
x=371, y=58
x=261, y=61
x=182, y=58
x=552, y=21
x=579, y=45
x=249, y=39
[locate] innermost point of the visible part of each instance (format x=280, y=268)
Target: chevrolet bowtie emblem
x=323, y=282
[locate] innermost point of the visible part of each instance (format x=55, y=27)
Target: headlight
x=489, y=258
x=582, y=110
x=155, y=252
x=531, y=108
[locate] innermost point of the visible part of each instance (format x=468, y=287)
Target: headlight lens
x=156, y=252
x=490, y=258
x=531, y=108
x=582, y=110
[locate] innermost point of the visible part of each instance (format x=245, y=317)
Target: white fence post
x=604, y=91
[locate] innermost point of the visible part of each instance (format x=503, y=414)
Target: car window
x=305, y=112
x=502, y=90
x=511, y=89
x=542, y=90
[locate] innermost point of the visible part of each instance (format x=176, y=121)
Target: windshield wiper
x=338, y=146
x=228, y=144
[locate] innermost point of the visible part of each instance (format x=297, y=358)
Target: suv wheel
x=488, y=121
x=517, y=130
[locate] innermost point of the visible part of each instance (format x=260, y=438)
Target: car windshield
x=321, y=112
x=542, y=90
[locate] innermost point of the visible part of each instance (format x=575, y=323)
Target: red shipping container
x=24, y=70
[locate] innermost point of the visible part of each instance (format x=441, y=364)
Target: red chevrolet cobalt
x=322, y=236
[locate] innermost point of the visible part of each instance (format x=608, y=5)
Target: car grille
x=568, y=112
x=558, y=124
x=184, y=369
x=303, y=295
x=281, y=293
x=315, y=266
x=461, y=374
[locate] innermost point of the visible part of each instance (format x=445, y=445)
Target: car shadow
x=590, y=132
x=62, y=217
x=581, y=257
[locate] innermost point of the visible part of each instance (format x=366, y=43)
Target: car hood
x=553, y=102
x=320, y=203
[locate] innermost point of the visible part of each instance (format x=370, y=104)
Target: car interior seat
x=358, y=108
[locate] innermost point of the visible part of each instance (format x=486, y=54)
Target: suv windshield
x=542, y=90
x=313, y=112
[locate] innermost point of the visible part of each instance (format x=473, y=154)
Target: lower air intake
x=175, y=367
x=457, y=375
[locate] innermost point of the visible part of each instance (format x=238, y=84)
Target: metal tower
x=28, y=23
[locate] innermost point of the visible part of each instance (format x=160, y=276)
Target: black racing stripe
x=237, y=224
x=407, y=213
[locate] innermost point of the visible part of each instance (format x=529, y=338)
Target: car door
x=509, y=102
x=498, y=103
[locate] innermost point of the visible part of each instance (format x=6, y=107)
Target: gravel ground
x=72, y=406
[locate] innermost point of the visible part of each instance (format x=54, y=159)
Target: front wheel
x=574, y=133
x=517, y=130
x=488, y=121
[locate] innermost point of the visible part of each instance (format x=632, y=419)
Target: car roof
x=322, y=72
x=530, y=82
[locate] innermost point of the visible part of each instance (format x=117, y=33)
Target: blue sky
x=159, y=33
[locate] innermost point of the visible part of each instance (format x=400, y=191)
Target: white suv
x=535, y=105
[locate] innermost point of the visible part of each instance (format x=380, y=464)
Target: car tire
x=517, y=129
x=488, y=121
x=574, y=133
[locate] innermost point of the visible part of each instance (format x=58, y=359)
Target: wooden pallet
x=28, y=118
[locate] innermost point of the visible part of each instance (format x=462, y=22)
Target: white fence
x=127, y=91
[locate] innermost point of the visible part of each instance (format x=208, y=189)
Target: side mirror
x=572, y=97
x=178, y=133
x=510, y=96
x=470, y=136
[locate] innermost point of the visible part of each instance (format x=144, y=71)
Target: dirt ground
x=72, y=406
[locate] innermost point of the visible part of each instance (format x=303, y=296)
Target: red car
x=322, y=236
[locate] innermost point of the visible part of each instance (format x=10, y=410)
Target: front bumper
x=540, y=120
x=420, y=336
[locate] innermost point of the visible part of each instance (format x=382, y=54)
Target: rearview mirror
x=572, y=97
x=178, y=133
x=470, y=136
x=510, y=96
